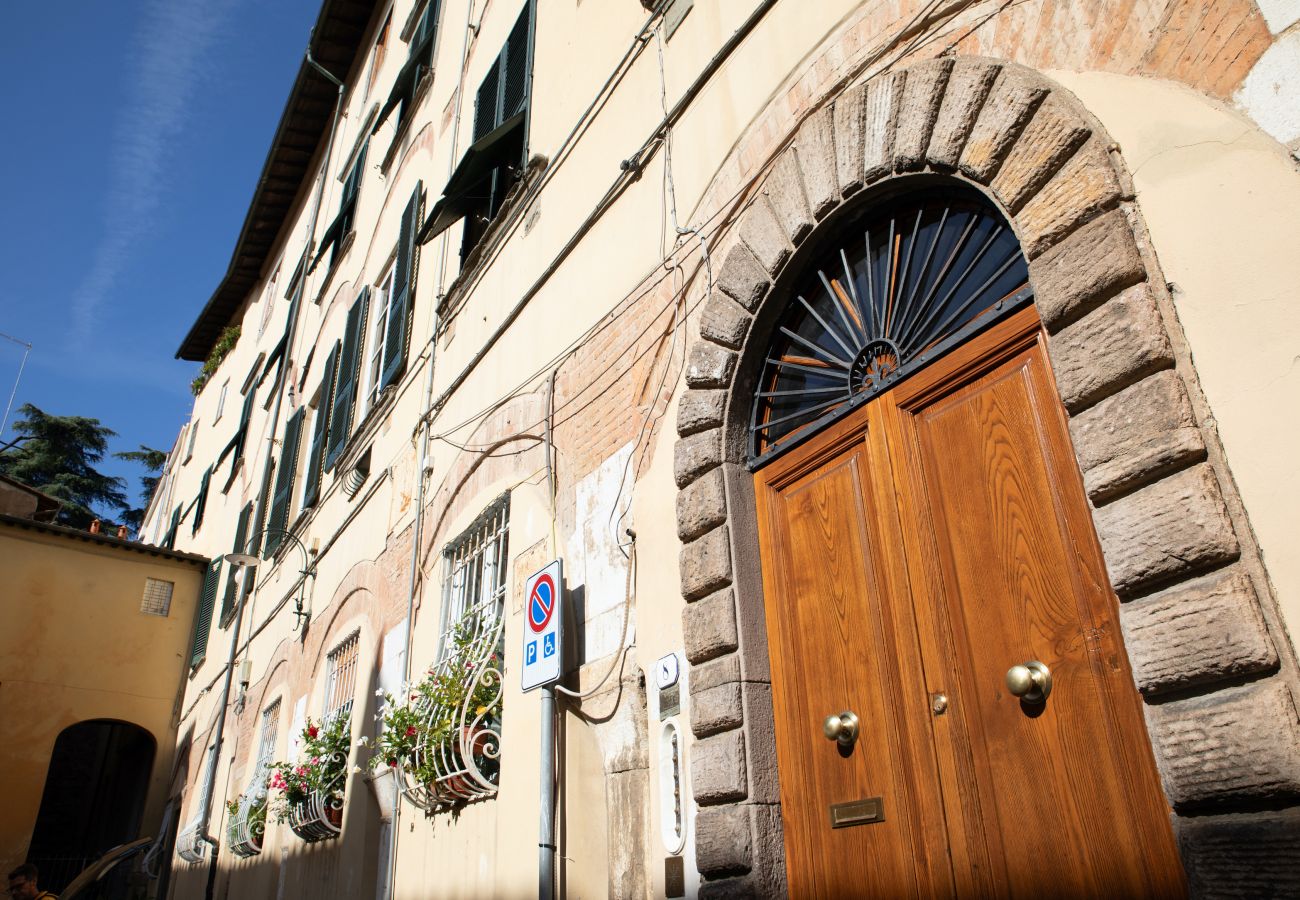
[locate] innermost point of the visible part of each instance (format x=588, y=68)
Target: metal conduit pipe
x=423, y=467
x=630, y=171
x=205, y=819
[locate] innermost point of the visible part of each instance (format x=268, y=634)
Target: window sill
x=365, y=431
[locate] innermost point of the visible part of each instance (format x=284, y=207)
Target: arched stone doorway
x=94, y=797
x=1155, y=490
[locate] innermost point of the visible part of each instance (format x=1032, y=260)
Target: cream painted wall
x=1222, y=202
x=74, y=646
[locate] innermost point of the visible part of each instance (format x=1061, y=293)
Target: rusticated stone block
x=1050, y=138
x=1110, y=348
x=1175, y=527
x=883, y=96
x=698, y=410
x=1229, y=746
x=760, y=742
x=742, y=277
x=706, y=563
x=724, y=844
x=709, y=627
x=922, y=94
x=785, y=191
x=764, y=234
x=695, y=455
x=1252, y=855
x=1136, y=436
x=1010, y=105
x=718, y=772
x=1197, y=633
x=848, y=114
x=1085, y=186
x=1086, y=269
x=709, y=366
x=968, y=87
x=701, y=505
x=816, y=145
x=716, y=702
x=724, y=321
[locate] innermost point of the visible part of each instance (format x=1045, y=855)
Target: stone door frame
x=1195, y=603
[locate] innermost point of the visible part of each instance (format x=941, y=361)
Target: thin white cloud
x=169, y=51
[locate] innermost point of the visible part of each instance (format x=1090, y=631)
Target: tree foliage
x=153, y=462
x=58, y=455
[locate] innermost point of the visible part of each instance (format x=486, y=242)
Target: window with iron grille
x=157, y=599
x=474, y=586
x=266, y=744
x=341, y=677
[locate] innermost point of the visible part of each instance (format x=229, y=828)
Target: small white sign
x=543, y=618
x=666, y=671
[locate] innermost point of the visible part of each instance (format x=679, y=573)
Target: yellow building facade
x=509, y=291
x=95, y=633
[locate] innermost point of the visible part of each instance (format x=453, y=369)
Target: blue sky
x=135, y=135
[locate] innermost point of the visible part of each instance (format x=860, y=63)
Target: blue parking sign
x=543, y=643
x=532, y=652
x=548, y=645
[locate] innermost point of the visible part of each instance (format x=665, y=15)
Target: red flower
x=410, y=731
x=312, y=731
x=392, y=763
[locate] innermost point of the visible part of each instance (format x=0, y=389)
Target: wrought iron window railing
x=190, y=845
x=320, y=816
x=458, y=758
x=246, y=829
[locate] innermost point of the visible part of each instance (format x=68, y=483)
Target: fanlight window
x=908, y=281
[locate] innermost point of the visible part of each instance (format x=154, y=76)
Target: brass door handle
x=1031, y=681
x=843, y=729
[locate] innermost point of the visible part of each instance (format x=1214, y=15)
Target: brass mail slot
x=857, y=812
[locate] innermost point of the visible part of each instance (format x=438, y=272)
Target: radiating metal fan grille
x=910, y=280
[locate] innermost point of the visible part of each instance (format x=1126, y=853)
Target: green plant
x=225, y=343
x=425, y=728
x=320, y=768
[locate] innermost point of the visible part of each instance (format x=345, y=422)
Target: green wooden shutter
x=515, y=68
x=245, y=415
x=169, y=539
x=232, y=582
x=345, y=385
x=263, y=506
x=201, y=502
x=316, y=453
x=400, y=303
x=203, y=615
x=279, y=517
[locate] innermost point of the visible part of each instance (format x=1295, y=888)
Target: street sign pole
x=543, y=655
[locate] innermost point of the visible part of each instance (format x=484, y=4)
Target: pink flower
x=315, y=760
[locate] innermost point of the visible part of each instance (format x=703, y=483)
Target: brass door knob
x=843, y=729
x=1031, y=681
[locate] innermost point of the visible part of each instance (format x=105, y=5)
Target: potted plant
x=247, y=817
x=313, y=786
x=448, y=723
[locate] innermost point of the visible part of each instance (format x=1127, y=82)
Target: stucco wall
x=74, y=646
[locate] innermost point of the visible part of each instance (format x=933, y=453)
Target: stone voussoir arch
x=1221, y=720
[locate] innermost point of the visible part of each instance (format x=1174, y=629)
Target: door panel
x=924, y=545
x=1063, y=797
x=835, y=642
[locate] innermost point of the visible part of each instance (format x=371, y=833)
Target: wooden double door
x=913, y=552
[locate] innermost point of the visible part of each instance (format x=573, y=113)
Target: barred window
x=266, y=743
x=341, y=677
x=157, y=599
x=474, y=586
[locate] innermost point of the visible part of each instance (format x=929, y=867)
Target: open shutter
x=487, y=105
x=203, y=615
x=514, y=92
x=399, y=304
x=169, y=539
x=279, y=517
x=263, y=506
x=316, y=453
x=201, y=502
x=345, y=385
x=232, y=582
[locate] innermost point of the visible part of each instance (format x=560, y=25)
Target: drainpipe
x=206, y=819
x=424, y=468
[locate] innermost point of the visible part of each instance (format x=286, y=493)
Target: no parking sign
x=543, y=616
